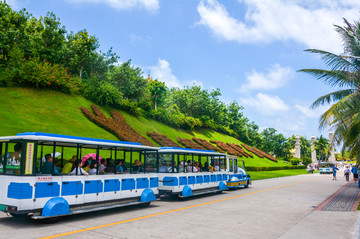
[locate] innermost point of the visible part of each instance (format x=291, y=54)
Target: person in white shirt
x=79, y=170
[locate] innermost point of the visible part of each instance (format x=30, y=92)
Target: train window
x=150, y=163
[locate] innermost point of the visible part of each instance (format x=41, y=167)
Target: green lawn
x=276, y=173
x=35, y=110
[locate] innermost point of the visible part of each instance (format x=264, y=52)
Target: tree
x=129, y=80
x=343, y=115
x=12, y=31
x=81, y=50
x=321, y=144
x=158, y=91
x=47, y=38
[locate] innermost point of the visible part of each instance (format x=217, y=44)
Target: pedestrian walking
x=347, y=173
x=354, y=170
x=334, y=172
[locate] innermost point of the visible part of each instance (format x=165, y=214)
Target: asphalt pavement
x=287, y=207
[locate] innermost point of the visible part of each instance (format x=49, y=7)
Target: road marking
x=170, y=211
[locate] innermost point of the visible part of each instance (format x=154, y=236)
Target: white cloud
x=265, y=104
x=275, y=77
x=163, y=73
x=149, y=5
x=311, y=113
x=305, y=22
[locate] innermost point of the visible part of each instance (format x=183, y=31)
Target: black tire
x=15, y=215
x=143, y=205
x=247, y=184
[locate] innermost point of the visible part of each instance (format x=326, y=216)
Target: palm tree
x=321, y=145
x=344, y=114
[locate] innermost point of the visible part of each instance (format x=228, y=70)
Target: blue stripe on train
x=47, y=189
x=93, y=186
x=19, y=191
x=71, y=188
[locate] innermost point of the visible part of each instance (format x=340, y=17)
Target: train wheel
x=247, y=184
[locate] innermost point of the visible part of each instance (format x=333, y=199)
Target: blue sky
x=250, y=49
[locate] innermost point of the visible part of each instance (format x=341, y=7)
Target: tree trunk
x=81, y=73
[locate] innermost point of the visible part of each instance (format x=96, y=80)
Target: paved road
x=272, y=208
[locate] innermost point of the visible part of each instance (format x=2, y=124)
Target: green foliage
x=12, y=31
x=343, y=74
x=36, y=73
x=101, y=92
x=128, y=79
x=158, y=91
x=307, y=160
x=321, y=146
x=295, y=161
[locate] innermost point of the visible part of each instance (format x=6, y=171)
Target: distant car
x=325, y=168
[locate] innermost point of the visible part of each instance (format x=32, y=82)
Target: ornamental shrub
x=36, y=73
x=295, y=161
x=102, y=92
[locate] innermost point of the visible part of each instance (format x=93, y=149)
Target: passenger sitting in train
x=102, y=166
x=93, y=167
x=206, y=168
x=78, y=170
x=198, y=166
x=68, y=166
x=17, y=154
x=57, y=165
x=120, y=167
x=181, y=166
x=87, y=163
x=163, y=167
x=137, y=166
x=110, y=168
x=217, y=166
x=191, y=168
x=48, y=166
x=212, y=168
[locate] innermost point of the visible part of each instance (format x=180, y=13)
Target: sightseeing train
x=37, y=181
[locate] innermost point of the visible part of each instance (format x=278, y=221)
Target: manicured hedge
x=275, y=168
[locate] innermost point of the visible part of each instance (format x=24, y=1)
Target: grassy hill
x=34, y=110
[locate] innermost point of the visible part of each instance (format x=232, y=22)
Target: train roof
x=189, y=151
x=67, y=140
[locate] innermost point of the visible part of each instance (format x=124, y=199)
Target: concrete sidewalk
x=332, y=218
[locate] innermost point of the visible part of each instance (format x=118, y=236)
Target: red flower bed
x=116, y=125
x=207, y=145
x=259, y=153
x=226, y=148
x=163, y=140
x=240, y=150
x=188, y=143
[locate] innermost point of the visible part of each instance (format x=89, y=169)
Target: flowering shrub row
x=36, y=73
x=116, y=125
x=163, y=140
x=240, y=150
x=188, y=143
x=259, y=153
x=207, y=145
x=226, y=148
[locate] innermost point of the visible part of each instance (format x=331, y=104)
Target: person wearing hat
x=217, y=166
x=69, y=165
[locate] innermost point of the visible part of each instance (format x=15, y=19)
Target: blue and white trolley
x=27, y=191
x=186, y=172
x=237, y=175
